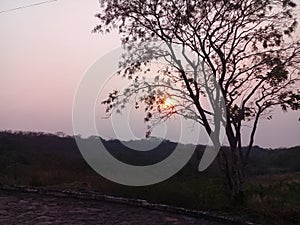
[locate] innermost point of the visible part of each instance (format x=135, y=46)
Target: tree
x=244, y=51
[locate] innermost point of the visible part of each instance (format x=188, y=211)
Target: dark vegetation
x=54, y=161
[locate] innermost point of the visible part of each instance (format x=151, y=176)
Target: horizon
x=61, y=134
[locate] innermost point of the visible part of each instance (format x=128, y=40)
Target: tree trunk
x=237, y=184
x=234, y=171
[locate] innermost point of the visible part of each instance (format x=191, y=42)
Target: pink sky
x=44, y=52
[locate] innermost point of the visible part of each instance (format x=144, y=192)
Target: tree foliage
x=246, y=48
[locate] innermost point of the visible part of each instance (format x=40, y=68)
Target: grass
x=271, y=199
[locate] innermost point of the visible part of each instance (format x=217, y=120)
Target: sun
x=168, y=103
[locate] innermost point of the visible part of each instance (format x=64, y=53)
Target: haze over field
x=46, y=50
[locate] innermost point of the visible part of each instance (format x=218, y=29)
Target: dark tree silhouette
x=244, y=52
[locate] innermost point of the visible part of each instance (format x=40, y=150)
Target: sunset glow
x=60, y=59
x=168, y=103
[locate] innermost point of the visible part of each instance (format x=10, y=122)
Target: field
x=272, y=192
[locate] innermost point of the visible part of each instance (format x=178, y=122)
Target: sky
x=46, y=50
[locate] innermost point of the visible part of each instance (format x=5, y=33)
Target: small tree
x=244, y=51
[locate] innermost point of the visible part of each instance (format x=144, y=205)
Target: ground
x=26, y=208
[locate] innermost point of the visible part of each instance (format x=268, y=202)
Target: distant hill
x=42, y=149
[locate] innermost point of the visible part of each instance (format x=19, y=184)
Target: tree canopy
x=247, y=49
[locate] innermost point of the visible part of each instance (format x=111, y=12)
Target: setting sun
x=168, y=102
